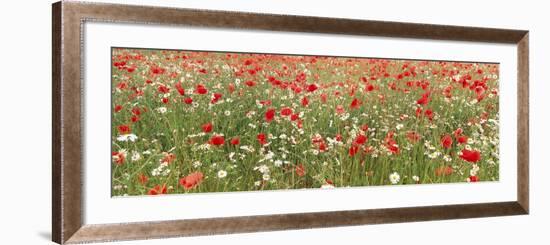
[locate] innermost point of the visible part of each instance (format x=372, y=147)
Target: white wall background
x=25, y=122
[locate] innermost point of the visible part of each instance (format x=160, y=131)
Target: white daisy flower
x=197, y=164
x=262, y=168
x=161, y=110
x=247, y=148
x=135, y=156
x=394, y=178
x=127, y=137
x=222, y=174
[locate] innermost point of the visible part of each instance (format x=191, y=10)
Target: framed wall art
x=180, y=122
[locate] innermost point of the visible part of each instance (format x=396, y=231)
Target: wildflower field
x=195, y=122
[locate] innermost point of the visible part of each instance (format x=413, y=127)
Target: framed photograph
x=180, y=122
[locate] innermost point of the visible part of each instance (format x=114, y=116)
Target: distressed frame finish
x=68, y=19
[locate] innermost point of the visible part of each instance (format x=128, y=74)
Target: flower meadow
x=195, y=122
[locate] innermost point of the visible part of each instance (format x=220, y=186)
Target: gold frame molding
x=68, y=19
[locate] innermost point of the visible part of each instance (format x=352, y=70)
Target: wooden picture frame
x=68, y=19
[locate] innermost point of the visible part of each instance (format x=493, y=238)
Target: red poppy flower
x=423, y=100
x=235, y=141
x=418, y=112
x=231, y=88
x=429, y=113
x=163, y=89
x=136, y=111
x=324, y=98
x=201, y=89
x=301, y=77
x=165, y=100
x=217, y=140
x=470, y=155
x=118, y=108
x=215, y=98
x=474, y=179
x=369, y=88
x=188, y=100
x=312, y=87
x=250, y=83
x=322, y=146
x=191, y=181
x=122, y=85
x=118, y=157
x=124, y=129
x=157, y=70
x=340, y=109
x=135, y=119
x=261, y=138
x=447, y=92
x=462, y=139
x=207, y=127
x=317, y=139
x=458, y=132
x=157, y=190
x=168, y=158
x=353, y=150
x=142, y=178
x=265, y=102
x=444, y=171
x=294, y=117
x=446, y=141
x=392, y=147
x=369, y=149
x=269, y=115
x=356, y=103
x=413, y=136
x=180, y=89
x=360, y=139
x=479, y=90
x=286, y=111
x=300, y=170
x=305, y=101
x=391, y=144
